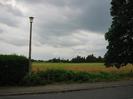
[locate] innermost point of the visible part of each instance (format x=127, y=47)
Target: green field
x=86, y=67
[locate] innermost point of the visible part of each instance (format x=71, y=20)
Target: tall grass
x=67, y=76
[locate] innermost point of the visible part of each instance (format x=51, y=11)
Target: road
x=125, y=92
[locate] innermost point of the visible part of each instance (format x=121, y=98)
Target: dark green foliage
x=91, y=58
x=12, y=69
x=78, y=59
x=58, y=60
x=32, y=80
x=88, y=59
x=58, y=76
x=52, y=76
x=120, y=35
x=33, y=60
x=81, y=77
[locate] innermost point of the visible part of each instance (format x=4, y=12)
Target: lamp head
x=31, y=19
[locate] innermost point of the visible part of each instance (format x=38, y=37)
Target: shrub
x=81, y=77
x=106, y=76
x=32, y=79
x=57, y=75
x=12, y=69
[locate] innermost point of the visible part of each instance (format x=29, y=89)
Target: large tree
x=120, y=34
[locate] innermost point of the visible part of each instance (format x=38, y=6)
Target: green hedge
x=12, y=69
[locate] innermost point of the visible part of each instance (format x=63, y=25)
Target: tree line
x=78, y=59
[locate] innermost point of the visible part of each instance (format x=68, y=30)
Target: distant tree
x=120, y=34
x=34, y=60
x=78, y=59
x=91, y=58
x=100, y=59
x=55, y=60
x=58, y=60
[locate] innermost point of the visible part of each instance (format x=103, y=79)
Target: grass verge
x=67, y=76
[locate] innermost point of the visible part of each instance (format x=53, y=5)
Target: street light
x=30, y=64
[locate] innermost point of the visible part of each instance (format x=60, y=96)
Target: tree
x=58, y=60
x=78, y=59
x=100, y=59
x=120, y=34
x=91, y=58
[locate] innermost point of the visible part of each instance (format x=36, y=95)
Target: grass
x=48, y=73
x=84, y=67
x=66, y=76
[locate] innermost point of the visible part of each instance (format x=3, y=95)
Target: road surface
x=125, y=92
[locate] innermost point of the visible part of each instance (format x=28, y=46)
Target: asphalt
x=123, y=92
x=60, y=88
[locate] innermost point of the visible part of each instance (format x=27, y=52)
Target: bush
x=32, y=80
x=57, y=75
x=81, y=77
x=12, y=69
x=105, y=76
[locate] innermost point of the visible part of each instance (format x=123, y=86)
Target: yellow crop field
x=86, y=67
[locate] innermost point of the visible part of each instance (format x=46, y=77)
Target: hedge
x=12, y=69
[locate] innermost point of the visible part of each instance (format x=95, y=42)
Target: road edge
x=62, y=88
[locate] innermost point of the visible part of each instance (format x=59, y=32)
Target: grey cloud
x=60, y=41
x=11, y=9
x=15, y=41
x=1, y=31
x=96, y=50
x=57, y=20
x=93, y=16
x=6, y=20
x=57, y=29
x=9, y=15
x=70, y=3
x=96, y=17
x=88, y=15
x=51, y=2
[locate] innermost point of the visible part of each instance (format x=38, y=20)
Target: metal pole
x=30, y=41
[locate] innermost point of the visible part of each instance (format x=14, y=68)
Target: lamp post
x=30, y=41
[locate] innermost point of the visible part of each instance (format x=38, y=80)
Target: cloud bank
x=61, y=28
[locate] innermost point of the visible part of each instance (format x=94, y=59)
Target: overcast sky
x=61, y=28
